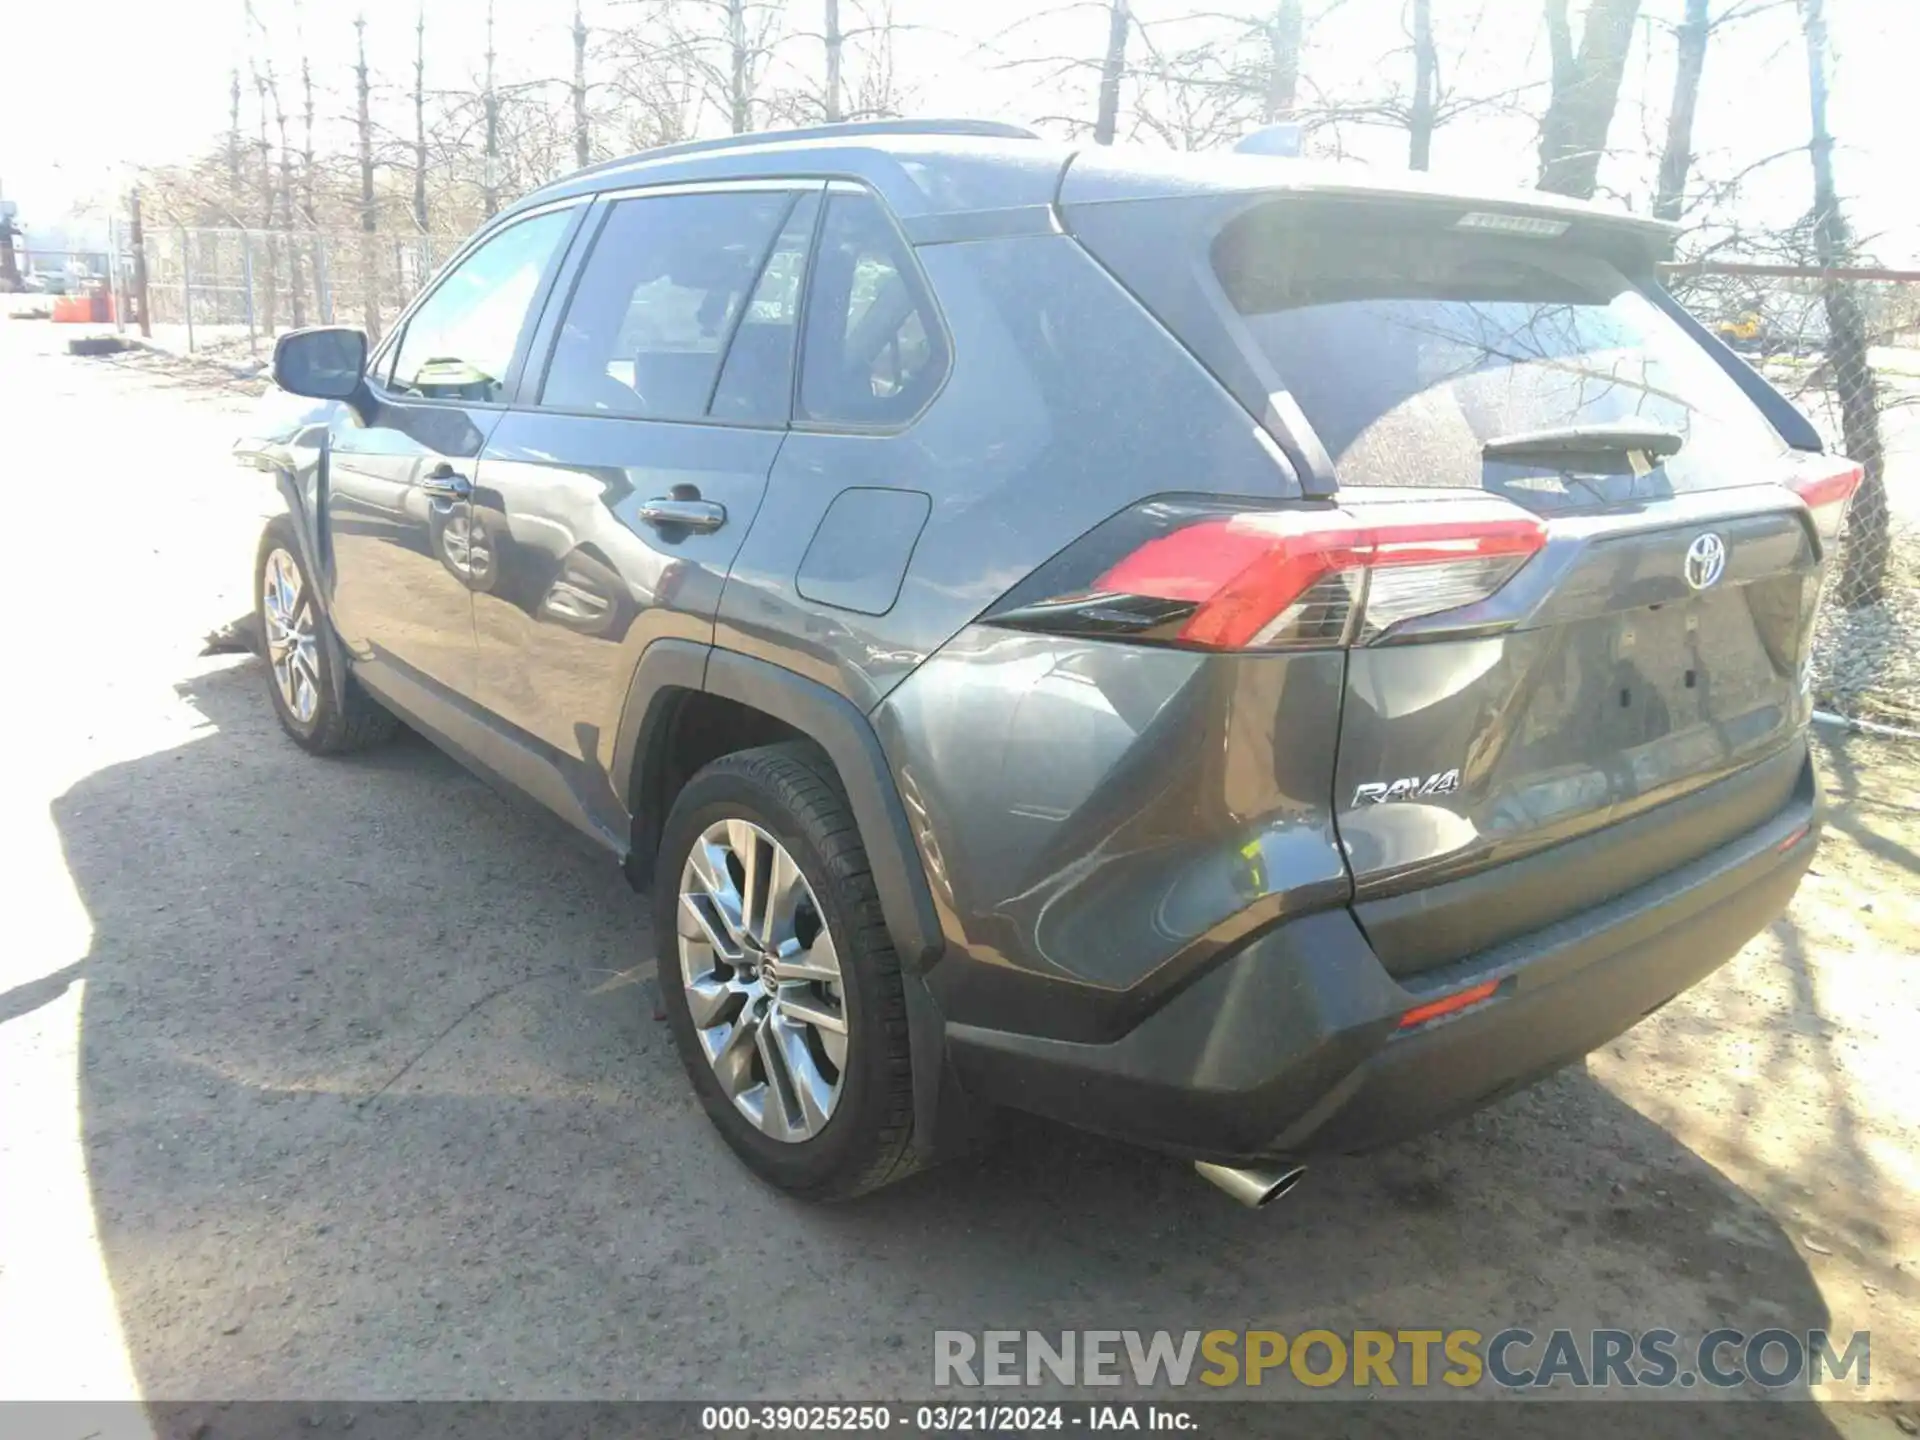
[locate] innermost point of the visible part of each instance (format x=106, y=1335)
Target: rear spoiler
x=1093, y=177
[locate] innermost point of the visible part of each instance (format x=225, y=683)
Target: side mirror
x=328, y=362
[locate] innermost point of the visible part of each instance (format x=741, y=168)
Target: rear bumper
x=1292, y=1047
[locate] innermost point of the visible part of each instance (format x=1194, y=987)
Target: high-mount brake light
x=1274, y=579
x=1828, y=485
x=1502, y=223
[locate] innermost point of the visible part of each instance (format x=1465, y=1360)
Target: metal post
x=186, y=285
x=246, y=269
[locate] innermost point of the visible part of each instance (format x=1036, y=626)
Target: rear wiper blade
x=1605, y=439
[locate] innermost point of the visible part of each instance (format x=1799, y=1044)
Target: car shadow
x=375, y=1105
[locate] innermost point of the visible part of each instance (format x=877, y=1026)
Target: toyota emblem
x=1706, y=560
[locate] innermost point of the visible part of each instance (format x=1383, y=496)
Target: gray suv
x=1228, y=654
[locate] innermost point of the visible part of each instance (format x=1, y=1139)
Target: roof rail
x=995, y=129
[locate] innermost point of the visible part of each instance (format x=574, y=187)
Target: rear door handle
x=670, y=512
x=443, y=482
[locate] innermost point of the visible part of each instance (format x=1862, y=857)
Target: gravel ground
x=1867, y=660
x=333, y=1079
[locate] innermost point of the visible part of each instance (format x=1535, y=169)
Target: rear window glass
x=1408, y=348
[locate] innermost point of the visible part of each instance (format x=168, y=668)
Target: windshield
x=1409, y=349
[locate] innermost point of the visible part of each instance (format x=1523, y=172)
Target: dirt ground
x=336, y=1079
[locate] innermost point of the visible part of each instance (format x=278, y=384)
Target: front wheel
x=300, y=667
x=780, y=981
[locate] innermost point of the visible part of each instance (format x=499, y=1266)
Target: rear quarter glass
x=1409, y=343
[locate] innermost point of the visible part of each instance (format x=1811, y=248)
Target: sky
x=79, y=113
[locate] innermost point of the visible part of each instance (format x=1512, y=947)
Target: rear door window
x=756, y=383
x=874, y=351
x=1409, y=347
x=658, y=300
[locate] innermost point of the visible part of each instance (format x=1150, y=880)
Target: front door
x=611, y=502
x=405, y=553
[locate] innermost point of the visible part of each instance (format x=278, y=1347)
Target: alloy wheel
x=468, y=549
x=762, y=980
x=293, y=645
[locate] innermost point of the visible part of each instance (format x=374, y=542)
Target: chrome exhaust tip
x=1254, y=1186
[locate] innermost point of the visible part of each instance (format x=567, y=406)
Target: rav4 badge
x=1408, y=787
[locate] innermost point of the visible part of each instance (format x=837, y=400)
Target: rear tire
x=299, y=666
x=820, y=1113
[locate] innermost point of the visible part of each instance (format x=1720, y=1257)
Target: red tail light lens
x=1827, y=485
x=1286, y=578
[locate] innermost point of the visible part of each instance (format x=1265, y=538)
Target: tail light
x=1195, y=575
x=1827, y=485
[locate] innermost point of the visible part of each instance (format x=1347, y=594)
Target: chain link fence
x=1845, y=347
x=225, y=288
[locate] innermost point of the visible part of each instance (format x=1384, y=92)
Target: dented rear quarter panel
x=1099, y=821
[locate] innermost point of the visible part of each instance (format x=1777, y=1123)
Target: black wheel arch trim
x=307, y=543
x=669, y=668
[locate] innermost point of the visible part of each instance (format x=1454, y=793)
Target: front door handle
x=443, y=482
x=672, y=512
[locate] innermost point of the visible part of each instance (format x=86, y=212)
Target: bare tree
x=278, y=199
x=739, y=69
x=1286, y=32
x=1863, y=579
x=833, y=41
x=296, y=290
x=1113, y=68
x=582, y=140
x=420, y=118
x=233, y=133
x=1692, y=37
x=1217, y=86
x=876, y=92
x=306, y=218
x=307, y=214
x=490, y=107
x=1426, y=72
x=657, y=97
x=258, y=40
x=688, y=57
x=1676, y=156
x=1269, y=73
x=858, y=80
x=363, y=117
x=1191, y=98
x=1586, y=89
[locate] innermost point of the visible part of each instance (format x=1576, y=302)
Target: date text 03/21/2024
x=944, y=1419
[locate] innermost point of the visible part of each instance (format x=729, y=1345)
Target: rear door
x=1647, y=643
x=613, y=498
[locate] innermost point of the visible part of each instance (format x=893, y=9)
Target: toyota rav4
x=1236, y=656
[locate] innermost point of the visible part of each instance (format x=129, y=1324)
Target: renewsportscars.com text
x=1514, y=1358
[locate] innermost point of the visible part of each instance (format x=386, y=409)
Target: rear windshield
x=1408, y=349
